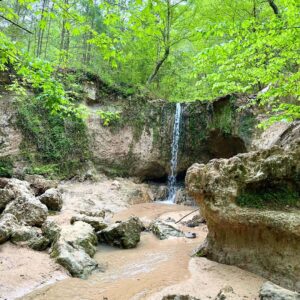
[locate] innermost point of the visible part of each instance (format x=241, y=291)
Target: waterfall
x=172, y=175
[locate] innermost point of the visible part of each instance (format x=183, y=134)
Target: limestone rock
x=197, y=220
x=226, y=293
x=6, y=195
x=74, y=248
x=96, y=222
x=28, y=211
x=264, y=241
x=51, y=230
x=93, y=213
x=52, y=199
x=7, y=223
x=179, y=297
x=20, y=188
x=163, y=230
x=40, y=184
x=124, y=234
x=270, y=291
x=31, y=236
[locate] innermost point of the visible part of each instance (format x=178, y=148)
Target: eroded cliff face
x=252, y=208
x=139, y=143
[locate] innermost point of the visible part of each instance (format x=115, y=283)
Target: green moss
x=53, y=143
x=223, y=118
x=6, y=167
x=270, y=197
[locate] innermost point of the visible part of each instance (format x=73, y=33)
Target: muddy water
x=154, y=268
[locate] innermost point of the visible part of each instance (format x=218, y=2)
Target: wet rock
x=96, y=222
x=51, y=230
x=164, y=231
x=52, y=199
x=190, y=235
x=74, y=248
x=182, y=197
x=270, y=291
x=30, y=236
x=123, y=235
x=39, y=184
x=6, y=196
x=7, y=223
x=226, y=293
x=195, y=221
x=179, y=297
x=28, y=211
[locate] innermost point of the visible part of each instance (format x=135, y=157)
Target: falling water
x=172, y=176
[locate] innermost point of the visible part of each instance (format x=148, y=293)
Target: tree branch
x=12, y=22
x=274, y=7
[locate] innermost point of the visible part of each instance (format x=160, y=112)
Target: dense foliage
x=178, y=49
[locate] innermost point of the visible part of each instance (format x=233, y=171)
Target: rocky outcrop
x=7, y=223
x=163, y=230
x=270, y=291
x=28, y=211
x=250, y=203
x=74, y=247
x=52, y=199
x=96, y=222
x=123, y=234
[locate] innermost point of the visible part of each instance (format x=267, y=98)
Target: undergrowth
x=53, y=144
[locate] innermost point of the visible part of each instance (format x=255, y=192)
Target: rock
x=190, y=235
x=94, y=213
x=195, y=221
x=51, y=230
x=270, y=291
x=6, y=195
x=31, y=236
x=28, y=211
x=179, y=297
x=123, y=235
x=19, y=188
x=74, y=248
x=115, y=185
x=52, y=199
x=39, y=184
x=183, y=198
x=226, y=293
x=164, y=231
x=264, y=240
x=7, y=223
x=96, y=222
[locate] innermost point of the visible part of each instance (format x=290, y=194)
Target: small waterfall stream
x=175, y=143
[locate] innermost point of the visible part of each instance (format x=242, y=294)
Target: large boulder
x=123, y=234
x=250, y=203
x=96, y=222
x=163, y=230
x=7, y=223
x=20, y=188
x=28, y=211
x=74, y=248
x=270, y=291
x=52, y=198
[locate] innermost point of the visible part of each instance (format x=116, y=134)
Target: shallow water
x=144, y=272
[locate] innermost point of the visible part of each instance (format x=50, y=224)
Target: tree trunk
x=274, y=7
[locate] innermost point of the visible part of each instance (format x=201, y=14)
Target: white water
x=172, y=176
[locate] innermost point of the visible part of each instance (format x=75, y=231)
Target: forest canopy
x=181, y=50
